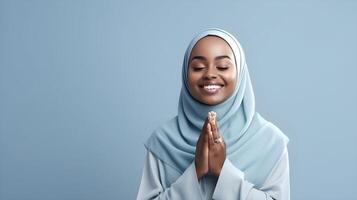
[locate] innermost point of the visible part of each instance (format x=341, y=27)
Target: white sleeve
x=185, y=187
x=231, y=183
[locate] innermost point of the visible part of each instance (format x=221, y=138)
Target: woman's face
x=212, y=72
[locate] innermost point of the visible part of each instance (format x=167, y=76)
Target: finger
x=216, y=120
x=208, y=120
x=205, y=123
x=206, y=138
x=222, y=143
x=210, y=136
x=208, y=129
x=204, y=127
x=214, y=127
x=217, y=127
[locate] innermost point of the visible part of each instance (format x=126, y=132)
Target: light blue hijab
x=253, y=144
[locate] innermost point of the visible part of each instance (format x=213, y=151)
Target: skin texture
x=211, y=61
x=207, y=64
x=210, y=156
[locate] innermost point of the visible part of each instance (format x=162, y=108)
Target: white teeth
x=212, y=87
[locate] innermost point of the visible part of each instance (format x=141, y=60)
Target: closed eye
x=197, y=68
x=222, y=68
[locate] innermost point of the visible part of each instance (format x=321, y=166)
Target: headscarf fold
x=253, y=144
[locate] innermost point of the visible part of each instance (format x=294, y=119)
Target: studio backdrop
x=84, y=83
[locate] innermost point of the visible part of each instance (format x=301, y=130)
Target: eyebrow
x=216, y=58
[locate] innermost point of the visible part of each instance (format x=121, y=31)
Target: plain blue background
x=84, y=83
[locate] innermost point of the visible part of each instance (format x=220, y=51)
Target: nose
x=210, y=74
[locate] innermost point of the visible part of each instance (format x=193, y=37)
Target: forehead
x=211, y=45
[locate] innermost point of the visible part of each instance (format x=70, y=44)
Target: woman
x=218, y=146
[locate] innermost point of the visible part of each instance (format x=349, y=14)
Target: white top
x=157, y=183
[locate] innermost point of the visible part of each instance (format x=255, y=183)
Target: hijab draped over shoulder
x=253, y=144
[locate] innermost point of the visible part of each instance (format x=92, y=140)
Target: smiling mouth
x=211, y=89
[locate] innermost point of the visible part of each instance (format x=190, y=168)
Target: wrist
x=217, y=172
x=199, y=174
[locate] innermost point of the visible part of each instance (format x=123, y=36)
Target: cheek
x=231, y=78
x=192, y=81
x=231, y=82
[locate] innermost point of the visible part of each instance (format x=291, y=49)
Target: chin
x=212, y=102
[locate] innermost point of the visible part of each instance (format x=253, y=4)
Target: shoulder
x=272, y=131
x=161, y=133
x=163, y=167
x=164, y=128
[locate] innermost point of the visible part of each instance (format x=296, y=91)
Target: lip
x=213, y=91
x=211, y=83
